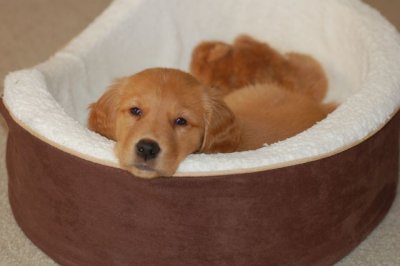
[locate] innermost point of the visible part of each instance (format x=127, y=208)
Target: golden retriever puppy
x=159, y=116
x=248, y=61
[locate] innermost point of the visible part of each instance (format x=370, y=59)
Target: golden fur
x=248, y=61
x=244, y=119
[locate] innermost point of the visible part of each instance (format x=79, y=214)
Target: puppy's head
x=158, y=117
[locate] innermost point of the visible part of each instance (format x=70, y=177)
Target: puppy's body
x=159, y=116
x=267, y=113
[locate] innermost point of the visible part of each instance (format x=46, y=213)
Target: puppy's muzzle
x=147, y=149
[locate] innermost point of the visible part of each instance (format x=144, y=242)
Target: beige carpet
x=24, y=24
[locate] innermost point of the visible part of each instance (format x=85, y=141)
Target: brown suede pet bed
x=308, y=200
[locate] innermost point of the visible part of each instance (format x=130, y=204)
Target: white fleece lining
x=358, y=48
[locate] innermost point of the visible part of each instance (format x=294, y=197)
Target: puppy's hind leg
x=308, y=76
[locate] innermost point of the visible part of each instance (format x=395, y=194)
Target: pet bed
x=308, y=200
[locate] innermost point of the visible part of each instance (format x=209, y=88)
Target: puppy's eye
x=136, y=111
x=180, y=121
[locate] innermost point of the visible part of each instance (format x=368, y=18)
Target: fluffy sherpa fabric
x=358, y=48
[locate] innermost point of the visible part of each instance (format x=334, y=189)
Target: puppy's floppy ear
x=103, y=113
x=222, y=133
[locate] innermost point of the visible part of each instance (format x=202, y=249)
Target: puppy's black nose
x=147, y=149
